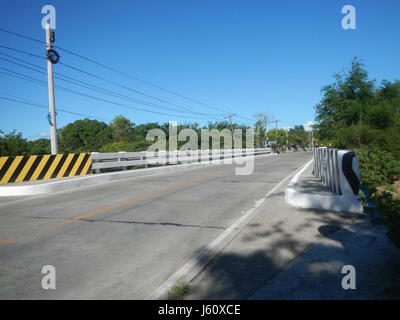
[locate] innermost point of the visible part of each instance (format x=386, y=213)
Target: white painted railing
x=326, y=167
x=338, y=169
x=145, y=158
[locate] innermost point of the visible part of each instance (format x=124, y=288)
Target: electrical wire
x=93, y=87
x=111, y=82
x=25, y=77
x=124, y=74
x=35, y=104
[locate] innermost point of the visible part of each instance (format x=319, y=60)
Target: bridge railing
x=338, y=169
x=124, y=160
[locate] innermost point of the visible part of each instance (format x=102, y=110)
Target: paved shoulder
x=290, y=253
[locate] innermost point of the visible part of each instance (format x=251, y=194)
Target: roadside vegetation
x=355, y=113
x=178, y=291
x=122, y=134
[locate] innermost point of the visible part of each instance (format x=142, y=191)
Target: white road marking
x=194, y=261
x=298, y=174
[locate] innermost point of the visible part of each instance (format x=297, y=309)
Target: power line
x=22, y=77
x=35, y=104
x=22, y=36
x=38, y=81
x=96, y=88
x=123, y=73
x=130, y=89
x=145, y=82
x=22, y=51
x=114, y=83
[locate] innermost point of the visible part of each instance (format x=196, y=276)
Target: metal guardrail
x=146, y=158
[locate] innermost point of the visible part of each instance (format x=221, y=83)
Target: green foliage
x=298, y=136
x=377, y=167
x=39, y=147
x=178, y=291
x=138, y=145
x=84, y=136
x=122, y=129
x=380, y=116
x=277, y=135
x=295, y=136
x=388, y=208
x=91, y=136
x=116, y=147
x=354, y=113
x=12, y=144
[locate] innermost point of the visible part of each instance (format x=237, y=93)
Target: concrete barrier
x=42, y=167
x=338, y=169
x=73, y=183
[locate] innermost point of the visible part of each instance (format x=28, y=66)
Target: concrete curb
x=321, y=202
x=191, y=269
x=57, y=186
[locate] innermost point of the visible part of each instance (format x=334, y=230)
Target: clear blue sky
x=243, y=56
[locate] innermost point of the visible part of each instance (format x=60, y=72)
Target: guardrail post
x=120, y=156
x=94, y=161
x=143, y=158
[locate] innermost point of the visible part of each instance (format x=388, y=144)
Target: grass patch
x=178, y=291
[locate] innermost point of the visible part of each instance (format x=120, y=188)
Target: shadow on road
x=273, y=263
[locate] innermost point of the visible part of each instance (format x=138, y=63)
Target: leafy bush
x=40, y=146
x=178, y=291
x=389, y=209
x=377, y=167
x=13, y=144
x=380, y=116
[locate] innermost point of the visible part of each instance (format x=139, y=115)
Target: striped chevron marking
x=31, y=168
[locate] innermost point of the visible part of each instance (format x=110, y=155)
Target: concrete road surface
x=123, y=239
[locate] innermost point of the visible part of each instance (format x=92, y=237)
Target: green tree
x=122, y=129
x=39, y=147
x=344, y=102
x=12, y=144
x=84, y=136
x=353, y=113
x=298, y=136
x=277, y=135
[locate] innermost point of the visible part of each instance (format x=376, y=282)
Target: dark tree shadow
x=290, y=268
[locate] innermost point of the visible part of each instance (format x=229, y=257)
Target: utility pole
x=265, y=128
x=287, y=140
x=276, y=129
x=263, y=121
x=52, y=109
x=230, y=121
x=312, y=139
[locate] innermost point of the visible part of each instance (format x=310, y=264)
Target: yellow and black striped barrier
x=31, y=168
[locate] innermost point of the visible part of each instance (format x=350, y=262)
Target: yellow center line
x=122, y=203
x=143, y=196
x=6, y=241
